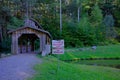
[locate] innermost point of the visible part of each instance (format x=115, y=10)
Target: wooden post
x=20, y=47
x=12, y=46
x=27, y=46
x=32, y=44
x=14, y=43
x=41, y=43
x=44, y=41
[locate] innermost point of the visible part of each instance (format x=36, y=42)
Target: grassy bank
x=99, y=62
x=108, y=63
x=68, y=71
x=111, y=51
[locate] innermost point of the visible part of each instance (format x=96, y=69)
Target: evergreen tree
x=96, y=20
x=109, y=22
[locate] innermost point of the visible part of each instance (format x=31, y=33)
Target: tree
x=96, y=17
x=96, y=20
x=109, y=22
x=86, y=31
x=5, y=16
x=4, y=19
x=79, y=8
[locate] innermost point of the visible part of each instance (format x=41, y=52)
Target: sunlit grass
x=68, y=71
x=111, y=51
x=48, y=70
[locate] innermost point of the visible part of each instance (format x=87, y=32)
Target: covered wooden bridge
x=31, y=38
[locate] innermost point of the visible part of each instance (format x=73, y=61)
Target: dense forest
x=84, y=22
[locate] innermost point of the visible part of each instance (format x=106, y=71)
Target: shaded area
x=108, y=63
x=28, y=43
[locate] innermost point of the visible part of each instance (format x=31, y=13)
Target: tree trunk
x=0, y=34
x=78, y=14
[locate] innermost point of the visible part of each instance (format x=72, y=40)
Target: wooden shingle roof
x=35, y=26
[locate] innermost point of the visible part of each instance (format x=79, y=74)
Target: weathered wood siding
x=44, y=39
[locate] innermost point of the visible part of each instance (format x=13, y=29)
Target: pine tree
x=109, y=23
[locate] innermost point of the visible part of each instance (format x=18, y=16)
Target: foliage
x=86, y=32
x=96, y=20
x=96, y=16
x=82, y=19
x=5, y=45
x=15, y=23
x=109, y=23
x=71, y=35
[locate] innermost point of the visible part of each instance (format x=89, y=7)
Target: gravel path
x=18, y=67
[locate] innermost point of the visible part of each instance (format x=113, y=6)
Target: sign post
x=58, y=45
x=57, y=48
x=60, y=18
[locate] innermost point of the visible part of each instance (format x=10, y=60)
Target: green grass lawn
x=68, y=71
x=48, y=70
x=111, y=51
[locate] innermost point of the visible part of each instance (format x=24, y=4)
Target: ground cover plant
x=111, y=51
x=68, y=71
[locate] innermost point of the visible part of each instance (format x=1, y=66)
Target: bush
x=113, y=41
x=5, y=46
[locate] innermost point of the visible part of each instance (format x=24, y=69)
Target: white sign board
x=57, y=46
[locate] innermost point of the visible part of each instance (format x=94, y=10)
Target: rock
x=8, y=54
x=94, y=47
x=81, y=49
x=3, y=55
